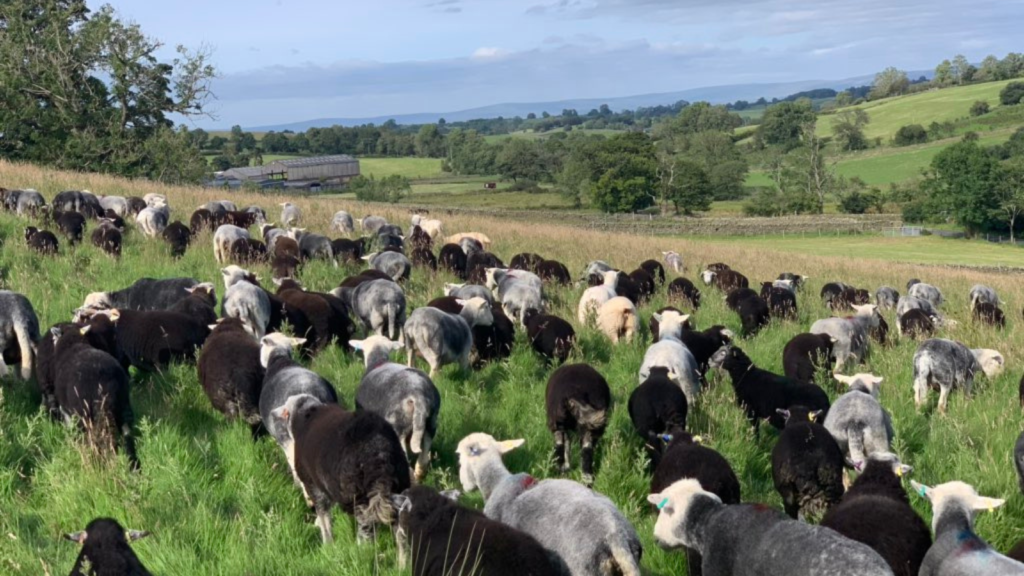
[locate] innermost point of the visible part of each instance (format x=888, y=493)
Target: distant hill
x=713, y=94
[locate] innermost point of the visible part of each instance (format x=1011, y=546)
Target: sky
x=289, y=60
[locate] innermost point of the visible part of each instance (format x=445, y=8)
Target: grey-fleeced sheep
x=926, y=292
x=598, y=267
x=752, y=539
x=19, y=328
x=290, y=214
x=857, y=420
x=850, y=335
x=580, y=525
x=371, y=224
x=595, y=296
x=394, y=264
x=153, y=220
x=981, y=294
x=442, y=338
x=907, y=303
x=403, y=396
x=29, y=202
x=342, y=222
x=886, y=298
x=467, y=291
x=379, y=305
x=313, y=246
x=225, y=235
x=674, y=261
x=669, y=352
x=118, y=204
x=501, y=280
x=247, y=302
x=947, y=364
x=958, y=550
x=520, y=298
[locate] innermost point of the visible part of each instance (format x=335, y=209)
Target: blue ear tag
x=923, y=491
x=663, y=503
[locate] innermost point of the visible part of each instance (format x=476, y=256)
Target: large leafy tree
x=783, y=123
x=86, y=90
x=963, y=183
x=626, y=170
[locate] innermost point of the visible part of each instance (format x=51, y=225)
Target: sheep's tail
x=623, y=560
x=855, y=439
x=392, y=311
x=253, y=319
x=415, y=408
x=379, y=509
x=588, y=417
x=27, y=344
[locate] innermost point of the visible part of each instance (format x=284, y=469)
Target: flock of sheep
x=360, y=459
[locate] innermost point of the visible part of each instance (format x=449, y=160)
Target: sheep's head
x=449, y=289
x=673, y=503
x=234, y=274
x=97, y=301
x=708, y=277
x=105, y=532
x=375, y=349
x=955, y=495
x=285, y=415
x=891, y=460
x=477, y=311
x=494, y=275
x=476, y=447
x=206, y=288
x=991, y=361
x=611, y=278
x=277, y=343
x=869, y=381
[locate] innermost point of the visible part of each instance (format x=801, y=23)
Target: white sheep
x=432, y=227
x=618, y=318
x=595, y=296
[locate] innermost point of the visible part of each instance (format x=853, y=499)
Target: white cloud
x=487, y=52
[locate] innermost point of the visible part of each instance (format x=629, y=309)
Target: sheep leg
x=943, y=398
x=323, y=520
x=27, y=350
x=3, y=369
x=423, y=460
x=587, y=456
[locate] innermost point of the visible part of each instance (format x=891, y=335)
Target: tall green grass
x=218, y=503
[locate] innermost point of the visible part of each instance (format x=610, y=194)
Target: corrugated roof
x=315, y=161
x=247, y=171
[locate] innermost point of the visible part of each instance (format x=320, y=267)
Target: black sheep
x=989, y=314
x=202, y=220
x=525, y=261
x=703, y=345
x=1018, y=456
x=686, y=458
x=72, y=224
x=144, y=294
x=644, y=283
x=657, y=408
x=726, y=280
x=285, y=266
x=684, y=290
x=655, y=326
x=453, y=259
x=494, y=342
x=1017, y=552
x=422, y=256
x=877, y=512
x=107, y=238
x=717, y=267
x=848, y=297
x=628, y=288
x=916, y=323
x=655, y=269
x=805, y=355
x=420, y=239
x=352, y=459
x=327, y=315
x=243, y=220
x=346, y=250
x=42, y=241
x=781, y=302
x=452, y=540
x=578, y=399
x=449, y=304
x=554, y=271
x=752, y=310
x=807, y=465
x=200, y=304
x=230, y=372
x=152, y=339
x=287, y=246
x=550, y=336
x=114, y=219
x=92, y=386
x=477, y=264
x=761, y=393
x=248, y=251
x=106, y=550
x=364, y=276
x=135, y=205
x=45, y=368
x=880, y=333
x=177, y=236
x=738, y=295
x=831, y=291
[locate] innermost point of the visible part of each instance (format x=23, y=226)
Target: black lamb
x=578, y=400
x=807, y=465
x=916, y=323
x=153, y=339
x=200, y=304
x=42, y=241
x=655, y=269
x=551, y=336
x=554, y=271
x=230, y=372
x=645, y=283
x=684, y=290
x=805, y=355
x=453, y=259
x=525, y=261
x=72, y=224
x=989, y=314
x=178, y=237
x=657, y=408
x=423, y=257
x=107, y=238
x=106, y=550
x=752, y=310
x=494, y=342
x=703, y=345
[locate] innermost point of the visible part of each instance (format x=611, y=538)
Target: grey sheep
x=442, y=338
x=378, y=304
x=857, y=420
x=958, y=550
x=670, y=352
x=908, y=303
x=153, y=220
x=403, y=396
x=247, y=302
x=467, y=291
x=926, y=292
x=29, y=202
x=947, y=365
x=342, y=222
x=886, y=298
x=501, y=280
x=981, y=294
x=580, y=525
x=754, y=540
x=371, y=224
x=290, y=214
x=394, y=264
x=225, y=235
x=519, y=299
x=674, y=261
x=118, y=204
x=313, y=246
x=850, y=335
x=144, y=294
x=19, y=327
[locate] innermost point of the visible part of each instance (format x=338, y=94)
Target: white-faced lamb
x=403, y=396
x=578, y=400
x=753, y=539
x=230, y=372
x=580, y=525
x=876, y=511
x=223, y=238
x=886, y=298
x=144, y=294
x=958, y=550
x=761, y=394
x=452, y=540
x=926, y=292
x=657, y=407
x=857, y=420
x=290, y=214
x=669, y=352
x=949, y=365
x=807, y=465
x=805, y=355
x=550, y=336
x=595, y=296
x=442, y=338
x=618, y=319
x=378, y=304
x=107, y=237
x=352, y=459
x=106, y=550
x=685, y=457
x=19, y=331
x=850, y=335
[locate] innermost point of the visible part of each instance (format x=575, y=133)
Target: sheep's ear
x=510, y=445
x=452, y=495
x=657, y=500
x=903, y=470
x=212, y=327
x=657, y=316
x=921, y=489
x=190, y=289
x=982, y=503
x=84, y=330
x=460, y=301
x=134, y=535
x=877, y=380
x=356, y=344
x=401, y=502
x=844, y=379
x=76, y=537
x=782, y=412
x=267, y=341
x=298, y=341
x=278, y=281
x=115, y=314
x=56, y=333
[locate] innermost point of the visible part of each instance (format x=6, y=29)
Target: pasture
x=411, y=168
x=218, y=503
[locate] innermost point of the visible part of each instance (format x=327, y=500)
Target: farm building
x=326, y=171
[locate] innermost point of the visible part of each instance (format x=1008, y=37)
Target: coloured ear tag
x=922, y=491
x=663, y=503
x=474, y=451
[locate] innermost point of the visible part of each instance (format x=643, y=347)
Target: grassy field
x=218, y=503
x=531, y=135
x=411, y=168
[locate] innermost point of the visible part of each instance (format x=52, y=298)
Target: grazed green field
x=218, y=503
x=411, y=168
